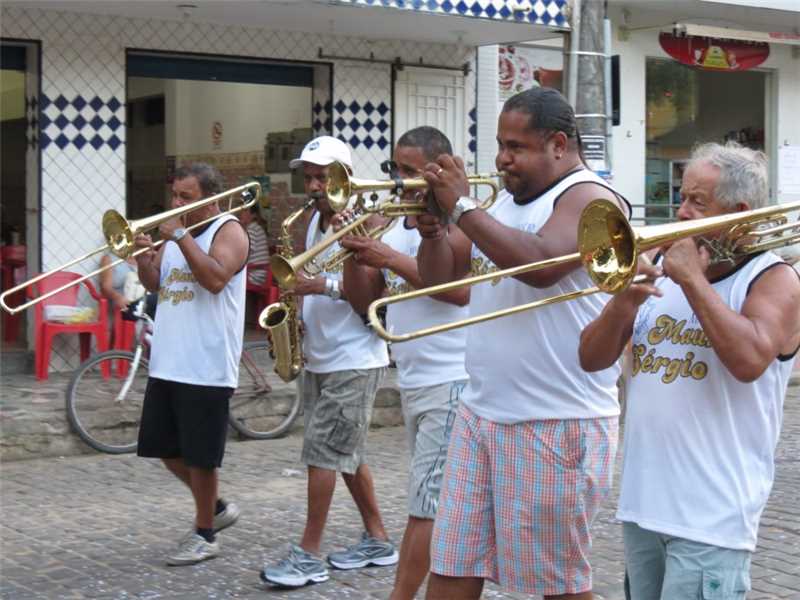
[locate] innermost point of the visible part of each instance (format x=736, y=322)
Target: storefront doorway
x=19, y=185
x=686, y=107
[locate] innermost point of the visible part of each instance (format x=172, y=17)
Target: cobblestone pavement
x=101, y=526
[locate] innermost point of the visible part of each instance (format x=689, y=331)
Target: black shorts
x=181, y=420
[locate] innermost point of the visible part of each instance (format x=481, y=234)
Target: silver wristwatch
x=464, y=205
x=178, y=234
x=332, y=289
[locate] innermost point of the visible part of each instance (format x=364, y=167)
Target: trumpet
x=609, y=249
x=120, y=233
x=340, y=188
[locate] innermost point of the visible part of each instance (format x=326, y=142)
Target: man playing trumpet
x=430, y=371
x=713, y=348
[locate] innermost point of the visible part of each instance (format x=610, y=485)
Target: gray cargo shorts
x=429, y=414
x=338, y=409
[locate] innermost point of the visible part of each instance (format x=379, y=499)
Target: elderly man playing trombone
x=197, y=342
x=430, y=372
x=533, y=445
x=713, y=348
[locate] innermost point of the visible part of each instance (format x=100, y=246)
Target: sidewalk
x=100, y=526
x=33, y=420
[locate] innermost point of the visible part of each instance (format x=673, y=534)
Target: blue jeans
x=663, y=567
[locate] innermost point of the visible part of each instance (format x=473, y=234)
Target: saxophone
x=281, y=320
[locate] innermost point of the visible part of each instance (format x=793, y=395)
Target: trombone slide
x=119, y=234
x=609, y=249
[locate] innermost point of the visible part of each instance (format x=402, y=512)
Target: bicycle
x=105, y=410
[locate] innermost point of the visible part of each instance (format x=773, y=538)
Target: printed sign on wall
x=522, y=68
x=714, y=54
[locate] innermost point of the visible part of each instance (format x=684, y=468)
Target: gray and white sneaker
x=226, y=518
x=369, y=551
x=193, y=549
x=299, y=568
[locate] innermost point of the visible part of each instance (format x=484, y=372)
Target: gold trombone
x=120, y=234
x=340, y=188
x=609, y=249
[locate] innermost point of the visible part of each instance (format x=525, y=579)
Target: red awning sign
x=714, y=54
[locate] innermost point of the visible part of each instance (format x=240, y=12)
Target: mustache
x=317, y=195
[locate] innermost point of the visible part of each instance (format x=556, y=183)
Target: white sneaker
x=192, y=550
x=221, y=521
x=226, y=518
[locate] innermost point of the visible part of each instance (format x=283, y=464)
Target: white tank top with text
x=197, y=337
x=430, y=360
x=336, y=338
x=525, y=366
x=699, y=444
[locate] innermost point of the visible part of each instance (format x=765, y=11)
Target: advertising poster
x=521, y=68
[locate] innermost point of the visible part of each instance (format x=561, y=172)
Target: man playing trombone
x=532, y=449
x=713, y=348
x=197, y=343
x=345, y=363
x=430, y=372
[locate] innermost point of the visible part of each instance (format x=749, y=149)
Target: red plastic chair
x=267, y=291
x=45, y=331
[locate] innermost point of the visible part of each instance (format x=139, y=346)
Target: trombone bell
x=118, y=233
x=606, y=243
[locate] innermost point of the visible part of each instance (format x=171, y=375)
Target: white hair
x=742, y=173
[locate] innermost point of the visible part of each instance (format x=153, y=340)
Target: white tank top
x=525, y=366
x=336, y=338
x=429, y=360
x=699, y=445
x=197, y=337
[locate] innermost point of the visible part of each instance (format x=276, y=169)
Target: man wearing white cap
x=344, y=364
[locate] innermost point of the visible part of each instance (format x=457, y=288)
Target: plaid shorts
x=518, y=500
x=337, y=409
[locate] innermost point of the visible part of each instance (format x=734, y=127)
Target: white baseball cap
x=323, y=151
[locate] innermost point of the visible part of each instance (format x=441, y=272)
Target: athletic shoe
x=193, y=549
x=369, y=551
x=226, y=518
x=299, y=568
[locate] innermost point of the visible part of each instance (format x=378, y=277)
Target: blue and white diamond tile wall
x=81, y=122
x=322, y=122
x=543, y=12
x=366, y=123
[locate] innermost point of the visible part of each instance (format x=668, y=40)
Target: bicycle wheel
x=257, y=411
x=97, y=409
